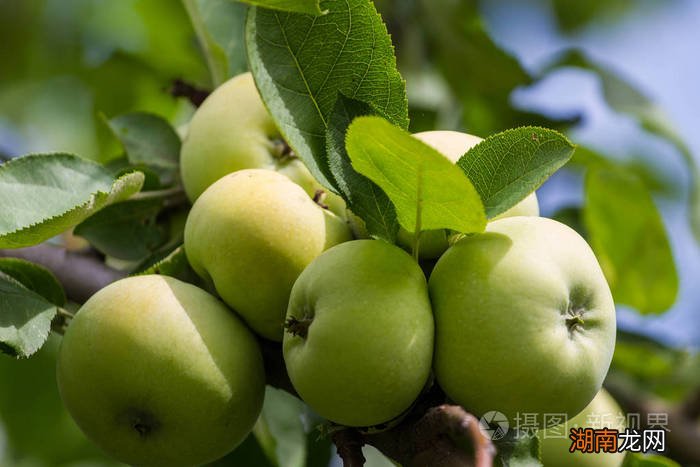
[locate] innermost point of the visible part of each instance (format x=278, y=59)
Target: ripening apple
x=156, y=371
x=359, y=335
x=250, y=235
x=602, y=412
x=524, y=319
x=232, y=130
x=453, y=145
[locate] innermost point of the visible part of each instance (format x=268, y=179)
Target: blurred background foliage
x=615, y=75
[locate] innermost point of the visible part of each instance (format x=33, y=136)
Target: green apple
x=525, y=321
x=359, y=335
x=156, y=371
x=453, y=145
x=232, y=130
x=602, y=412
x=250, y=235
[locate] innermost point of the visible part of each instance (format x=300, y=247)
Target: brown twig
x=349, y=444
x=437, y=439
x=195, y=95
x=81, y=274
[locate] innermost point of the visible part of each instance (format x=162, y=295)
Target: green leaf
x=623, y=97
x=670, y=373
x=34, y=419
x=657, y=124
x=628, y=236
x=517, y=449
x=126, y=230
x=301, y=63
x=219, y=25
x=309, y=7
x=375, y=458
x=147, y=139
x=45, y=194
x=633, y=459
x=25, y=318
x=427, y=190
x=363, y=197
x=34, y=277
x=508, y=166
x=575, y=15
x=121, y=166
x=174, y=264
x=480, y=74
x=280, y=430
x=618, y=92
x=320, y=449
x=587, y=158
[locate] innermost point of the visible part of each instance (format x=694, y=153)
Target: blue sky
x=656, y=48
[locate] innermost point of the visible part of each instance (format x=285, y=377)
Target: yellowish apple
x=232, y=130
x=251, y=234
x=602, y=412
x=156, y=371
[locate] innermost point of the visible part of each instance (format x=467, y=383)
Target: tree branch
x=81, y=274
x=195, y=95
x=438, y=438
x=349, y=444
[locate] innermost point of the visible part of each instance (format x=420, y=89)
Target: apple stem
x=60, y=322
x=195, y=95
x=319, y=198
x=287, y=151
x=298, y=327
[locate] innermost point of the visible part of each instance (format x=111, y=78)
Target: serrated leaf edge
x=21, y=355
x=97, y=197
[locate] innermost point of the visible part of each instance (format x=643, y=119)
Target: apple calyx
x=143, y=422
x=298, y=327
x=575, y=321
x=579, y=301
x=574, y=318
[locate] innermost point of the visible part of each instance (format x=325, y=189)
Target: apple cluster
x=518, y=319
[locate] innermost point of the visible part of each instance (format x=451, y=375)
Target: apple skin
x=250, y=235
x=453, y=145
x=501, y=301
x=368, y=350
x=163, y=354
x=602, y=412
x=232, y=130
